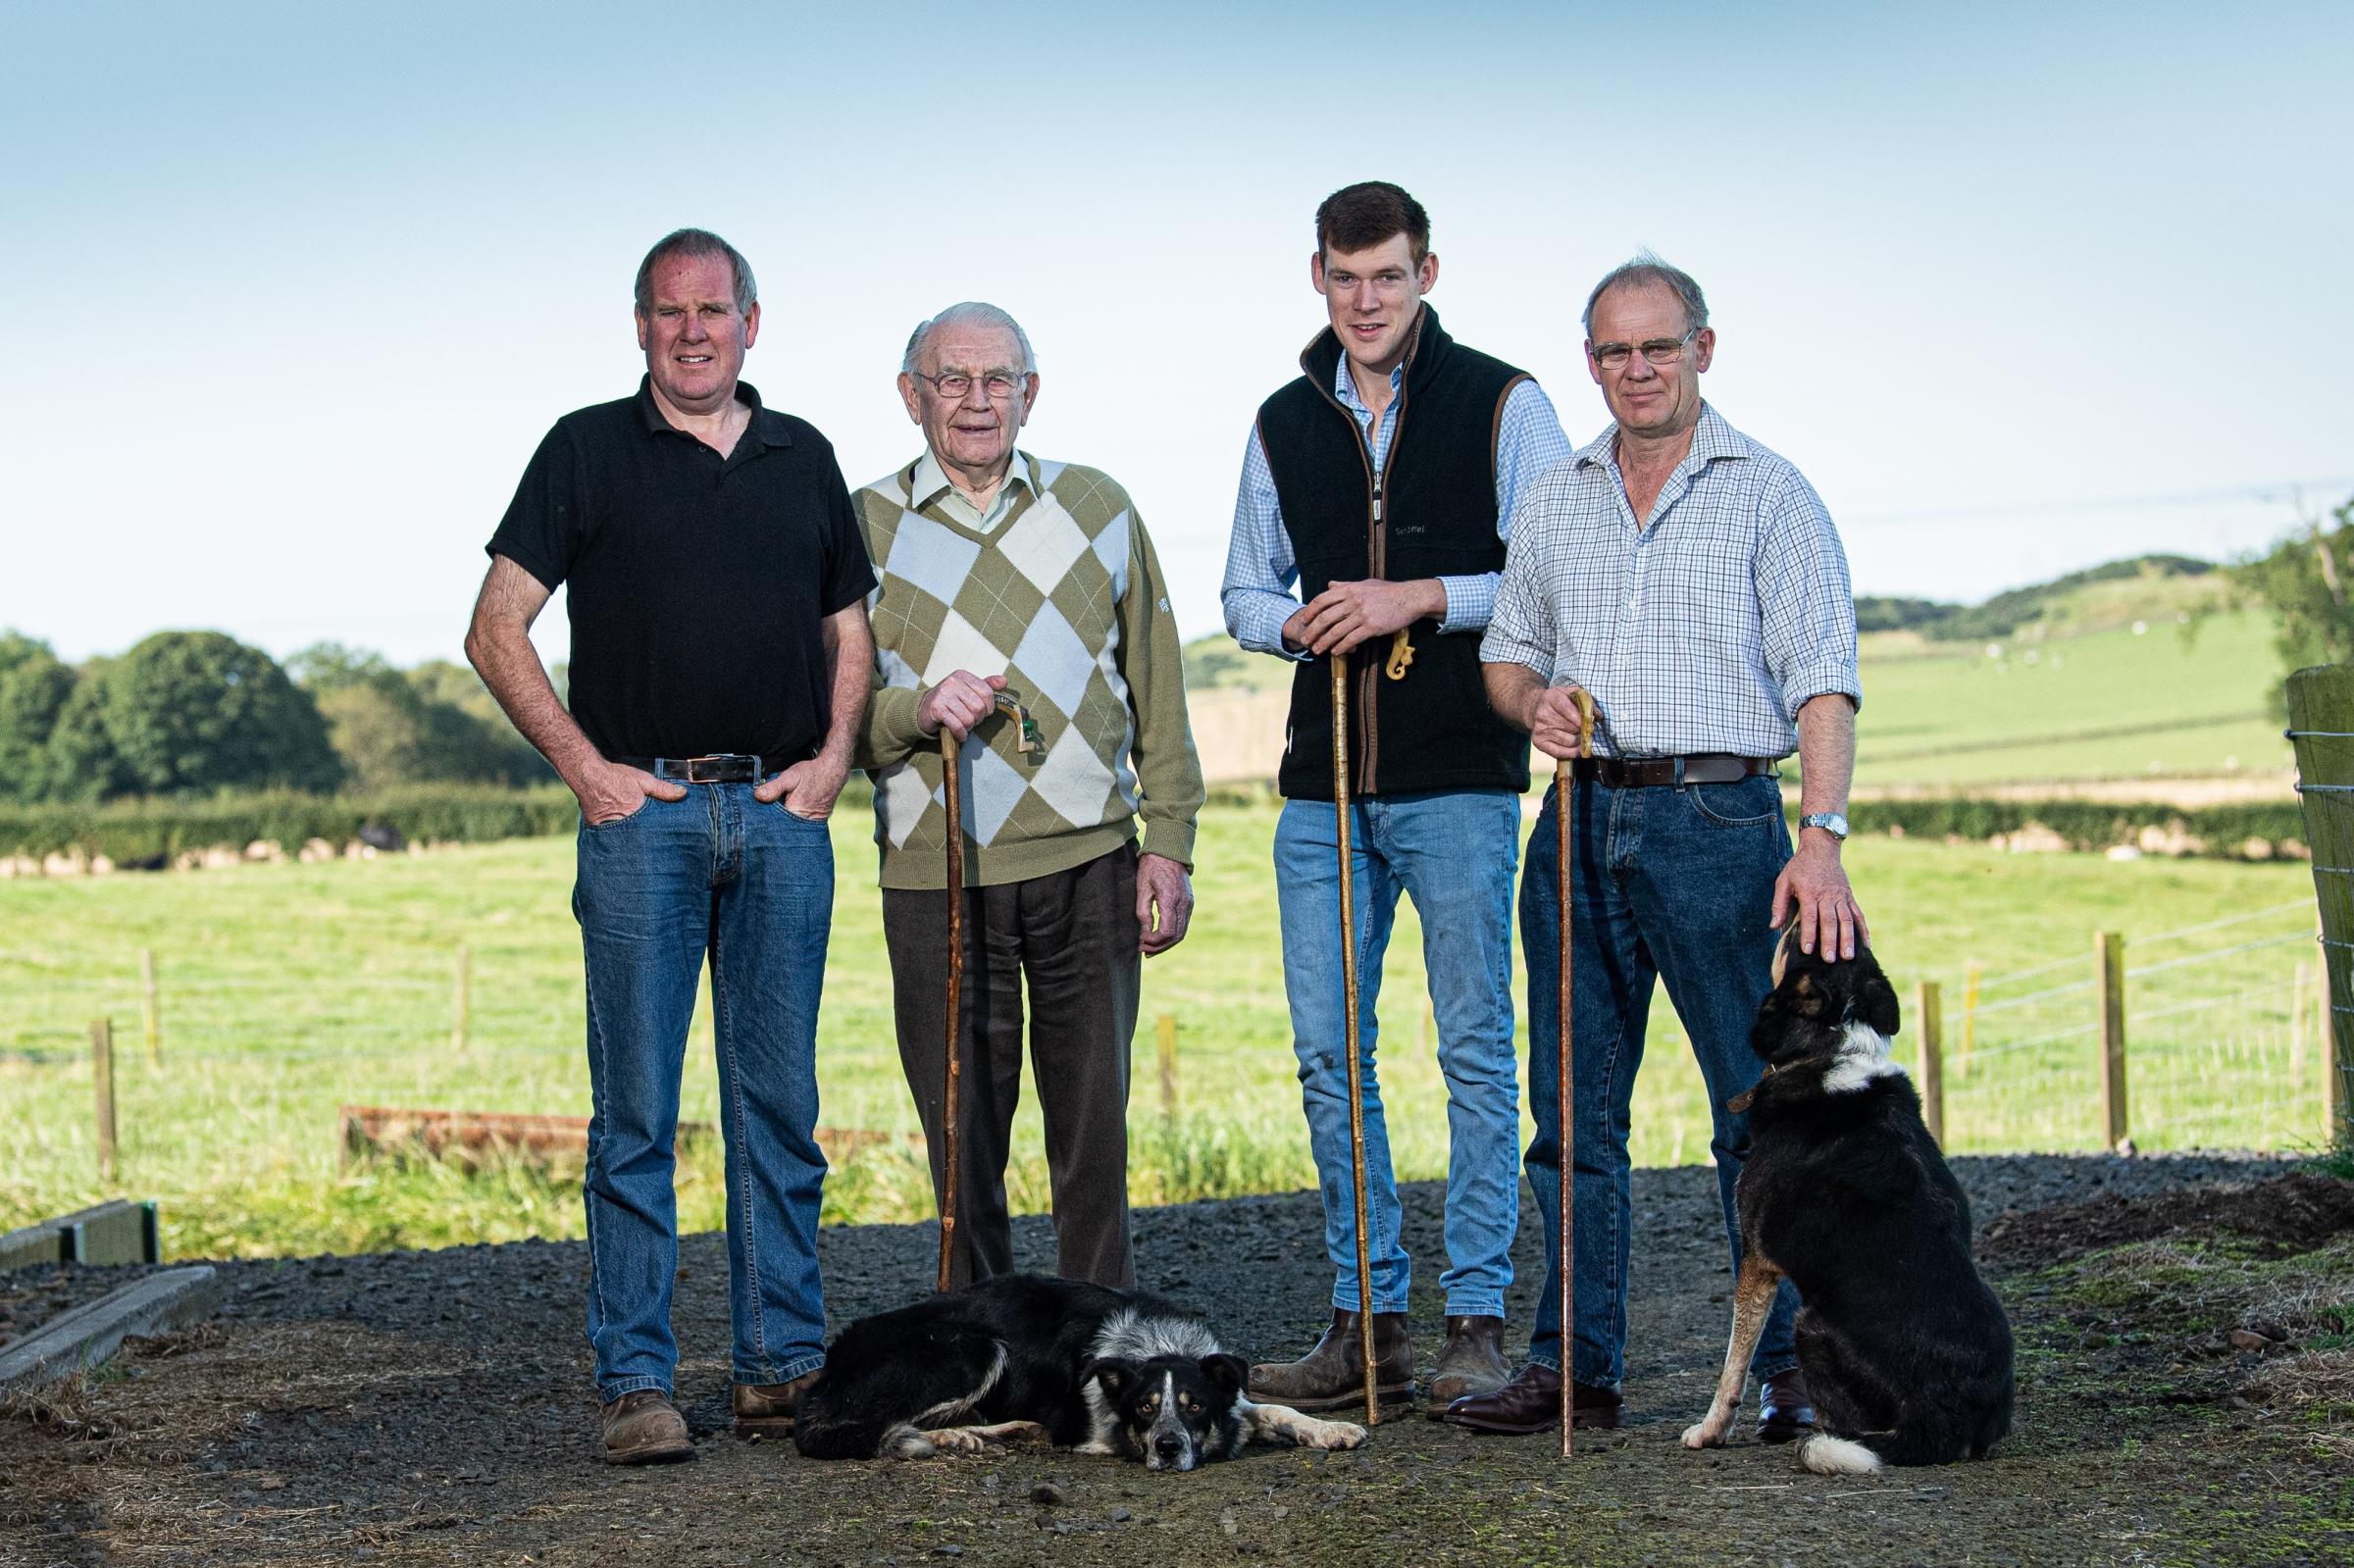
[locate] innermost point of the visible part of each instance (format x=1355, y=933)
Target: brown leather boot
x=1532, y=1402
x=1333, y=1374
x=768, y=1408
x=1471, y=1362
x=643, y=1428
x=1785, y=1410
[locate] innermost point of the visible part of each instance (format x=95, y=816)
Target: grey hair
x=1648, y=268
x=695, y=243
x=972, y=312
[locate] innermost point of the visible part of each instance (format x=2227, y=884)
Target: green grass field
x=2108, y=703
x=289, y=989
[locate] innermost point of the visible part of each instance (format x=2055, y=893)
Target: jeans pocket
x=1743, y=803
x=622, y=821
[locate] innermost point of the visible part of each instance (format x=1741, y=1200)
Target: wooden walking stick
x=950, y=1123
x=1564, y=802
x=1356, y=1092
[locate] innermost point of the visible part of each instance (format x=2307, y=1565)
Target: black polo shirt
x=697, y=583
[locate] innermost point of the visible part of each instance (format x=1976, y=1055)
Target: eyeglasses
x=1656, y=352
x=954, y=384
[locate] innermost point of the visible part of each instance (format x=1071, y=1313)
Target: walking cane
x=1564, y=801
x=948, y=766
x=1356, y=1093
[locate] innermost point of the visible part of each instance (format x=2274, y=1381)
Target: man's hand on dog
x=611, y=790
x=1161, y=882
x=962, y=700
x=1812, y=890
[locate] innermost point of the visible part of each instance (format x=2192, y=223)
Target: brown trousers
x=1073, y=937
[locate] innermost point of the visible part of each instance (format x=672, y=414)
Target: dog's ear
x=1115, y=1374
x=1875, y=1003
x=1227, y=1370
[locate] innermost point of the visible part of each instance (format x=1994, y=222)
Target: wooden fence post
x=102, y=1069
x=151, y=1012
x=2296, y=1024
x=1166, y=1027
x=2321, y=723
x=1928, y=1018
x=457, y=1032
x=2109, y=962
x=1969, y=1018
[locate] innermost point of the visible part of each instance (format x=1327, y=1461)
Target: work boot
x=1532, y=1402
x=768, y=1408
x=1785, y=1410
x=643, y=1428
x=1471, y=1363
x=1333, y=1374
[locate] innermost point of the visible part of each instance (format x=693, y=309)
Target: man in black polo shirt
x=719, y=669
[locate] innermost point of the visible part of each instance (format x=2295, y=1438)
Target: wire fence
x=2221, y=1040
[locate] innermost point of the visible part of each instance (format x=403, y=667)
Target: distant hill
x=2006, y=613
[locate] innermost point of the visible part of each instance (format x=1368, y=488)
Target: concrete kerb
x=76, y=1342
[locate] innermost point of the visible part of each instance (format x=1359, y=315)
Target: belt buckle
x=713, y=767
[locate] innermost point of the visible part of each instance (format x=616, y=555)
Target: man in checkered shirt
x=1691, y=581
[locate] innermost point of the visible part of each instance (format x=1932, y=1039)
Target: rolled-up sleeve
x=1807, y=607
x=1168, y=770
x=1521, y=629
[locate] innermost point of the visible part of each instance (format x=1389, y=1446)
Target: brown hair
x=1361, y=215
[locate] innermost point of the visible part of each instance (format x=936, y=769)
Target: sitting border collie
x=1906, y=1350
x=1103, y=1371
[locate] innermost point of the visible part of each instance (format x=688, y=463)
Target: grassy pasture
x=288, y=989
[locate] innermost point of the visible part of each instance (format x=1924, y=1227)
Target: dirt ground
x=434, y=1407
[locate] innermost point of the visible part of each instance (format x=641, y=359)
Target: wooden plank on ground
x=463, y=1136
x=76, y=1341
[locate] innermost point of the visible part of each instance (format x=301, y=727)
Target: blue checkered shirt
x=1261, y=569
x=1706, y=631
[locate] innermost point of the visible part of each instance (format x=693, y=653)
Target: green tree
x=326, y=667
x=33, y=688
x=79, y=762
x=201, y=711
x=2307, y=581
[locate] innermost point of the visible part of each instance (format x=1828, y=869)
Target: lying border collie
x=1906, y=1352
x=1103, y=1371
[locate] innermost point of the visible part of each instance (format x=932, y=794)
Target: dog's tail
x=1827, y=1455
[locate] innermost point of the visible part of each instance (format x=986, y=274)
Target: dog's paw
x=1705, y=1433
x=958, y=1439
x=1332, y=1434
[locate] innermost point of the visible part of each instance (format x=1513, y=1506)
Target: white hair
x=972, y=312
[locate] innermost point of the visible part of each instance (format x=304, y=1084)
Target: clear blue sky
x=2021, y=288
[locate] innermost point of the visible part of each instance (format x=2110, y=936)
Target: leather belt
x=724, y=767
x=1644, y=773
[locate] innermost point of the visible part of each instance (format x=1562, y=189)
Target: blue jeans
x=1675, y=883
x=752, y=887
x=1454, y=853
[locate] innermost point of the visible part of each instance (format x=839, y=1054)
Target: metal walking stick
x=1357, y=1092
x=1564, y=800
x=949, y=1122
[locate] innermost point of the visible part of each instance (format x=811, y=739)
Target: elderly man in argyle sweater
x=1004, y=572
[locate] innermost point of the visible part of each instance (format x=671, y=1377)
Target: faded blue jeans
x=1674, y=882
x=751, y=886
x=1454, y=853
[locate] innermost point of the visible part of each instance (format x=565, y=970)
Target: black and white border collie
x=1098, y=1370
x=1906, y=1350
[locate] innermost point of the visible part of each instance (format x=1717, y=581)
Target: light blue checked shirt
x=1705, y=629
x=1260, y=566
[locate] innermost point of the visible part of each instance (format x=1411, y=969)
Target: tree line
x=187, y=713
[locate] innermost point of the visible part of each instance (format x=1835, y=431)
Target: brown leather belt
x=1644, y=773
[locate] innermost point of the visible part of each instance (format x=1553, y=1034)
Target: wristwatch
x=1830, y=822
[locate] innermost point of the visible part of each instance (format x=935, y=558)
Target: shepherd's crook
x=1564, y=800
x=949, y=766
x=1357, y=1092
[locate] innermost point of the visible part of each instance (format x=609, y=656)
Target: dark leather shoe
x=1471, y=1362
x=1532, y=1402
x=768, y=1408
x=1333, y=1374
x=643, y=1428
x=1785, y=1410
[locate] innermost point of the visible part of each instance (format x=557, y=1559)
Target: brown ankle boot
x=1333, y=1374
x=1471, y=1363
x=768, y=1407
x=643, y=1427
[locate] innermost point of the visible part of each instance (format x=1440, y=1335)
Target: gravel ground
x=434, y=1408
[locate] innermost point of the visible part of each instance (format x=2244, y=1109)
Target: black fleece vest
x=1431, y=514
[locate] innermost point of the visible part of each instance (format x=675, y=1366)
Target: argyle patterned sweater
x=1064, y=598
